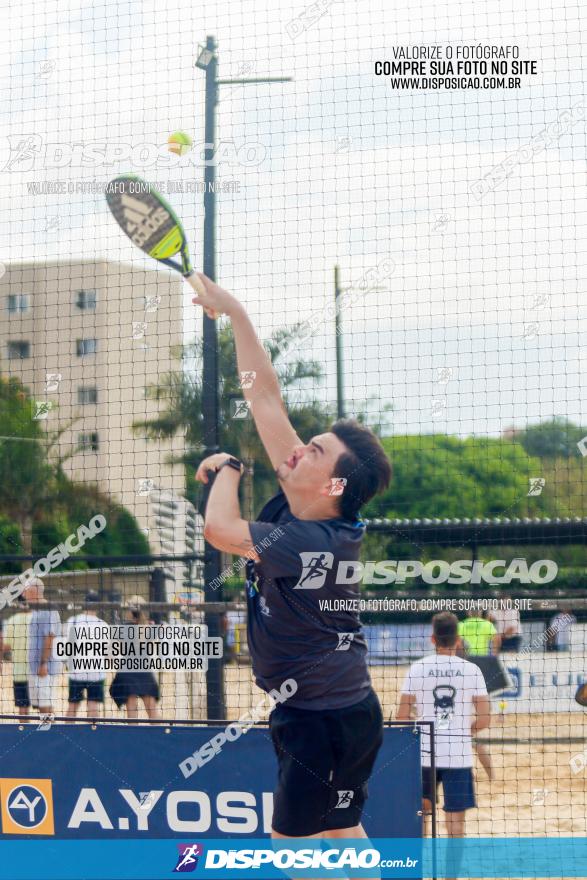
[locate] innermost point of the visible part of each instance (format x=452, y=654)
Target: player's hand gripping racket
x=152, y=224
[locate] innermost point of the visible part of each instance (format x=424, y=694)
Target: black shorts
x=512, y=643
x=95, y=691
x=133, y=684
x=21, y=694
x=457, y=785
x=325, y=759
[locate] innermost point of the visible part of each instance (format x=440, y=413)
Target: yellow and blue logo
x=26, y=806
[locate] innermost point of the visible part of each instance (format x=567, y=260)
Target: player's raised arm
x=224, y=526
x=262, y=390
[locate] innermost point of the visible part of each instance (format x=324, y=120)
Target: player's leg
x=357, y=832
x=302, y=779
x=357, y=735
x=150, y=704
x=455, y=824
x=426, y=814
x=325, y=759
x=132, y=706
x=95, y=698
x=484, y=756
x=428, y=786
x=33, y=692
x=74, y=698
x=304, y=755
x=459, y=796
x=277, y=836
x=21, y=697
x=44, y=691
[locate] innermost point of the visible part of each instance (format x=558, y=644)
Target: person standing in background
x=509, y=626
x=479, y=635
x=560, y=629
x=451, y=692
x=127, y=687
x=43, y=627
x=16, y=636
x=86, y=683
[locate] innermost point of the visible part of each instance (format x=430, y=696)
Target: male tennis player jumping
x=327, y=735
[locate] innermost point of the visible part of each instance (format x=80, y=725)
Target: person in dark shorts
x=127, y=687
x=451, y=692
x=86, y=684
x=327, y=734
x=508, y=624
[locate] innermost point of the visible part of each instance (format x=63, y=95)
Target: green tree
x=9, y=543
x=557, y=438
x=77, y=504
x=181, y=392
x=26, y=478
x=39, y=505
x=438, y=476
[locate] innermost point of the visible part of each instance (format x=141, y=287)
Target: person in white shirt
x=451, y=692
x=88, y=683
x=559, y=630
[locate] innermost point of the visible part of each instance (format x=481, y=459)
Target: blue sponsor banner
x=259, y=858
x=115, y=783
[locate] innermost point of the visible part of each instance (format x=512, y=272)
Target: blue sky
x=351, y=173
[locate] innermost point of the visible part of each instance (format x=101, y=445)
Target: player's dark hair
x=365, y=466
x=445, y=628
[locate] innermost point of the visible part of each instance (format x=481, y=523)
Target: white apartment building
x=88, y=337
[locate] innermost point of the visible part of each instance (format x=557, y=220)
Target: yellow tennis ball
x=502, y=705
x=179, y=143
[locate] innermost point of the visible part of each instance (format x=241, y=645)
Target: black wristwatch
x=233, y=463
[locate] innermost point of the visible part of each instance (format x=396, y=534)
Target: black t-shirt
x=290, y=636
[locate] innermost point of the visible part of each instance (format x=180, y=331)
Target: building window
x=86, y=395
x=86, y=346
x=86, y=300
x=17, y=302
x=89, y=442
x=18, y=349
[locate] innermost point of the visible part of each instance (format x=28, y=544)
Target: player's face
x=310, y=467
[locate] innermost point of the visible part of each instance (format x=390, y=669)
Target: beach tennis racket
x=149, y=221
x=581, y=694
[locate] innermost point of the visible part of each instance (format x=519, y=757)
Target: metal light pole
x=338, y=330
x=207, y=61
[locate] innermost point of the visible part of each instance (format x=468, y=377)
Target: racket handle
x=195, y=283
